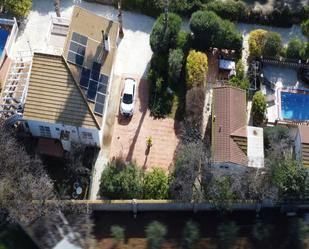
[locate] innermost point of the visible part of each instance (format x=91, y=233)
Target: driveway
x=130, y=135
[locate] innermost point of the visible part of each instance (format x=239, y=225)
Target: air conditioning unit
x=106, y=43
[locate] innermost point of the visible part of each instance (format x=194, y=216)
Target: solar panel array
x=77, y=49
x=96, y=85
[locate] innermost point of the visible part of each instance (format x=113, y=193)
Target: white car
x=127, y=97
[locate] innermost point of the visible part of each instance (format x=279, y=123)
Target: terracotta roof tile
x=229, y=116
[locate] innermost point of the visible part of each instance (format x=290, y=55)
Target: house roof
x=229, y=117
x=92, y=26
x=53, y=95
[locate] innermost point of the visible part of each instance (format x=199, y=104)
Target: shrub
x=184, y=41
x=205, y=25
x=272, y=45
x=155, y=233
x=121, y=181
x=305, y=28
x=175, y=64
x=20, y=8
x=117, y=232
x=256, y=42
x=164, y=36
x=227, y=234
x=294, y=48
x=240, y=70
x=156, y=184
x=291, y=179
x=230, y=9
x=258, y=108
x=240, y=83
x=196, y=69
x=261, y=233
x=305, y=51
x=191, y=234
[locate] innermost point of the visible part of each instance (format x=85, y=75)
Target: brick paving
x=130, y=135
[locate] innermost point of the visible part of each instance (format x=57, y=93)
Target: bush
x=20, y=8
x=175, y=65
x=155, y=233
x=196, y=69
x=164, y=36
x=227, y=235
x=156, y=184
x=184, y=41
x=240, y=83
x=294, y=49
x=205, y=25
x=305, y=28
x=258, y=108
x=305, y=51
x=191, y=234
x=230, y=9
x=291, y=179
x=121, y=181
x=272, y=45
x=210, y=30
x=117, y=232
x=256, y=42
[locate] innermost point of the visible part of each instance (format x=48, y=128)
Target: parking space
x=130, y=135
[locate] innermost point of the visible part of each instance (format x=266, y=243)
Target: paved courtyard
x=129, y=139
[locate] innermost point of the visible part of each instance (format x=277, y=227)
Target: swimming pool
x=295, y=105
x=4, y=34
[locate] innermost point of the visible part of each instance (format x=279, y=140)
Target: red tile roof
x=229, y=118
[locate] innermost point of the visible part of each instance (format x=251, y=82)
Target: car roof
x=128, y=85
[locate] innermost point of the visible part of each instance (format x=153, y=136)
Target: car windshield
x=127, y=98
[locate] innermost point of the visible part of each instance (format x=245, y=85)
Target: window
x=65, y=135
x=87, y=135
x=45, y=131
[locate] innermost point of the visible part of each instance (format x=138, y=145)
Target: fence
x=285, y=63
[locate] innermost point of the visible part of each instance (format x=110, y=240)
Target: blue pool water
x=295, y=106
x=3, y=37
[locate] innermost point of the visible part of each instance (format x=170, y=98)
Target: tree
x=20, y=8
x=117, y=232
x=121, y=181
x=24, y=183
x=240, y=83
x=258, y=108
x=156, y=184
x=196, y=69
x=164, y=33
x=294, y=49
x=256, y=42
x=305, y=28
x=205, y=25
x=240, y=70
x=175, y=64
x=184, y=41
x=272, y=45
x=191, y=234
x=155, y=233
x=291, y=179
x=187, y=164
x=227, y=235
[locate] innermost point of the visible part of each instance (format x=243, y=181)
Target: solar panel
x=79, y=38
x=86, y=72
x=91, y=94
x=103, y=79
x=84, y=82
x=93, y=85
x=102, y=88
x=75, y=58
x=100, y=98
x=99, y=108
x=96, y=66
x=95, y=75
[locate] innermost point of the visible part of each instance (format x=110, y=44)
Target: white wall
x=76, y=133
